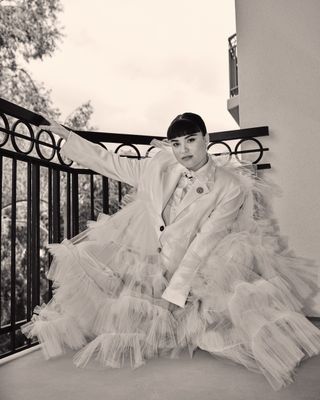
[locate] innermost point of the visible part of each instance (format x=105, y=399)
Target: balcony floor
x=30, y=377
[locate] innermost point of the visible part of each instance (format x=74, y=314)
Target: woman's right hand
x=55, y=128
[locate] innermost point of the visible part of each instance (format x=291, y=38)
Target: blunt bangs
x=186, y=124
x=182, y=127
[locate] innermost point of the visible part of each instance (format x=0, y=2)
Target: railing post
x=75, y=203
x=1, y=169
x=67, y=223
x=105, y=195
x=29, y=245
x=92, y=216
x=35, y=234
x=13, y=252
x=56, y=228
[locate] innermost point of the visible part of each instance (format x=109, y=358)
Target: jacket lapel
x=170, y=179
x=171, y=174
x=199, y=188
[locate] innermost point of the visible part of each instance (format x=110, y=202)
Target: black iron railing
x=233, y=65
x=45, y=198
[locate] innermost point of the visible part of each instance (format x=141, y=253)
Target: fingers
x=44, y=127
x=54, y=127
x=51, y=123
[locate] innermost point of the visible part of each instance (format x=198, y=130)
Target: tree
x=79, y=119
x=29, y=30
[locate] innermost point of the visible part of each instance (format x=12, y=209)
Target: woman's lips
x=186, y=158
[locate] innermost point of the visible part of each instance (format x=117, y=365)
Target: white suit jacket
x=204, y=217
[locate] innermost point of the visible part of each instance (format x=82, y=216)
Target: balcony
x=204, y=377
x=45, y=198
x=233, y=101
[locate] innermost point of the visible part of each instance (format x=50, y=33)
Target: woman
x=193, y=261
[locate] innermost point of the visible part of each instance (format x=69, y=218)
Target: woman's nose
x=183, y=148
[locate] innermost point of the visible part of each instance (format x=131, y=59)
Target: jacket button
x=199, y=190
x=159, y=249
x=161, y=228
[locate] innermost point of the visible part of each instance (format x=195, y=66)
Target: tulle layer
x=244, y=304
x=121, y=310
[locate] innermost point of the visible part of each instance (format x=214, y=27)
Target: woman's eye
x=190, y=140
x=175, y=144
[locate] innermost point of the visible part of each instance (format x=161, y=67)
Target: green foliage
x=17, y=86
x=29, y=29
x=79, y=119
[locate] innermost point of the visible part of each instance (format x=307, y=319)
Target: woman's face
x=190, y=150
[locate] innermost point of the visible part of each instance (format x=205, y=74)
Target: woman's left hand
x=55, y=128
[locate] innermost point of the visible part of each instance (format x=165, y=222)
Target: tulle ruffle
x=114, y=313
x=245, y=302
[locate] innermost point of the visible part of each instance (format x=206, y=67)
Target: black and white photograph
x=159, y=200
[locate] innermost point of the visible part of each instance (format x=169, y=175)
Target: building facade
x=278, y=43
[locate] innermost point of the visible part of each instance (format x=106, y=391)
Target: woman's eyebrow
x=187, y=136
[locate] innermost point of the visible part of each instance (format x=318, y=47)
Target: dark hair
x=186, y=124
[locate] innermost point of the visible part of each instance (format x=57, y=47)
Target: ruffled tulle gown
x=244, y=304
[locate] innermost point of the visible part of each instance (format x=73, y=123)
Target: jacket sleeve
x=212, y=231
x=97, y=158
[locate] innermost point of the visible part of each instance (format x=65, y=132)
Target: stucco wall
x=279, y=81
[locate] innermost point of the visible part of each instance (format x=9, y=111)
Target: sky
x=142, y=62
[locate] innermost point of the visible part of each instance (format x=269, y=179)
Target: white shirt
x=187, y=179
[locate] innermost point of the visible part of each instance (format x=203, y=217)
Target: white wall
x=279, y=81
